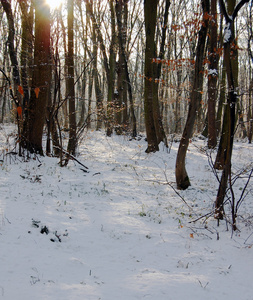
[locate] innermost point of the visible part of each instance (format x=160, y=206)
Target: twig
x=203, y=216
x=70, y=156
x=169, y=184
x=243, y=191
x=248, y=238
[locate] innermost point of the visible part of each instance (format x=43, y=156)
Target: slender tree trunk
x=11, y=35
x=231, y=103
x=88, y=119
x=111, y=74
x=26, y=49
x=222, y=99
x=150, y=15
x=125, y=65
x=250, y=113
x=65, y=121
x=212, y=77
x=98, y=91
x=161, y=136
x=72, y=144
x=182, y=179
x=17, y=97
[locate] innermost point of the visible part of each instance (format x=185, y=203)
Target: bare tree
x=212, y=77
x=153, y=120
x=231, y=104
x=34, y=123
x=71, y=81
x=183, y=181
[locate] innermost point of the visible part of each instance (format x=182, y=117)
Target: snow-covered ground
x=120, y=231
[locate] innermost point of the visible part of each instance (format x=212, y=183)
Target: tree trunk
x=222, y=99
x=72, y=144
x=34, y=124
x=153, y=119
x=161, y=136
x=212, y=77
x=150, y=15
x=26, y=49
x=231, y=103
x=182, y=179
x=250, y=113
x=17, y=97
x=111, y=74
x=65, y=121
x=123, y=60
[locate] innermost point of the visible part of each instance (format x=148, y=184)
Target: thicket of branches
x=104, y=47
x=128, y=66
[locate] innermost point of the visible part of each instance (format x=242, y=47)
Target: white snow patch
x=119, y=231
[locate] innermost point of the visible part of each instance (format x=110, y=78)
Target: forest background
x=125, y=67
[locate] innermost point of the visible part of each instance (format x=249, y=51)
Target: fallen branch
x=70, y=156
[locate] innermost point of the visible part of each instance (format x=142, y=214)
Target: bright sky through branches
x=54, y=4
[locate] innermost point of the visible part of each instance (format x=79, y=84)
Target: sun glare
x=54, y=4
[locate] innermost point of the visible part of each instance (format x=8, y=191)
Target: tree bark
x=212, y=77
x=182, y=179
x=150, y=15
x=111, y=74
x=33, y=127
x=126, y=77
x=26, y=49
x=231, y=103
x=161, y=136
x=72, y=144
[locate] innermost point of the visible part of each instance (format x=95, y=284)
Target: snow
x=227, y=33
x=213, y=72
x=120, y=231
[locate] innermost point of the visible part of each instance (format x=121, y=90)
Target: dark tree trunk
x=212, y=77
x=182, y=179
x=231, y=103
x=26, y=49
x=161, y=136
x=125, y=75
x=11, y=35
x=150, y=15
x=71, y=81
x=34, y=124
x=153, y=118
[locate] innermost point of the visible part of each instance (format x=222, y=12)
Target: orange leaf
x=19, y=110
x=21, y=91
x=191, y=235
x=37, y=90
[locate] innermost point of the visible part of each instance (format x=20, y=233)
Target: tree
x=152, y=71
x=150, y=13
x=250, y=111
x=109, y=63
x=27, y=15
x=125, y=80
x=36, y=110
x=17, y=95
x=212, y=77
x=182, y=179
x=71, y=81
x=231, y=103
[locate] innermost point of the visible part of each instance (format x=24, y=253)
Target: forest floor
x=121, y=231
